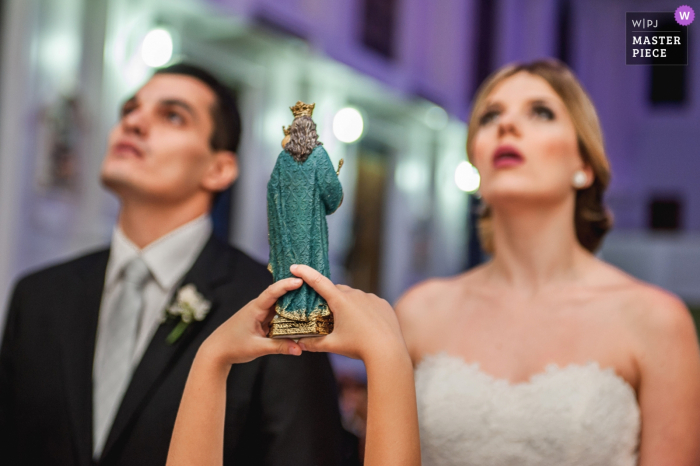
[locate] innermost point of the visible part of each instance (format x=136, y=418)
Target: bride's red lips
x=507, y=156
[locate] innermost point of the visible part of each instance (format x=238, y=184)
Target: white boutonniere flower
x=189, y=306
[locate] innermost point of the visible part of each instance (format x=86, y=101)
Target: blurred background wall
x=407, y=69
x=68, y=64
x=392, y=81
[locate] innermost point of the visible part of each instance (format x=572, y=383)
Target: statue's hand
x=340, y=165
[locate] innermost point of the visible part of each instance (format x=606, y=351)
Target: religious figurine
x=302, y=190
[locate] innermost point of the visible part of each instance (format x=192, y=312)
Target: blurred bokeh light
x=348, y=125
x=467, y=177
x=157, y=48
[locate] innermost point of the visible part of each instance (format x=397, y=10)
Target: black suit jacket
x=280, y=410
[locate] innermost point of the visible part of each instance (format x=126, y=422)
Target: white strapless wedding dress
x=578, y=415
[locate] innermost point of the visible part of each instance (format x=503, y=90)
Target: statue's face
x=160, y=148
x=526, y=145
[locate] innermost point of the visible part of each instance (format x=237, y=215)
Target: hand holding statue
x=365, y=324
x=243, y=337
x=365, y=328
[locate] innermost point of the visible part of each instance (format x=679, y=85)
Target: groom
x=91, y=373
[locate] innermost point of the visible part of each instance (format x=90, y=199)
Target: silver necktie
x=112, y=376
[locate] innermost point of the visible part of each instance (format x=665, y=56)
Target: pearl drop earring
x=580, y=179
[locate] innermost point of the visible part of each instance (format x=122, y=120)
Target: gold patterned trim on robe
x=285, y=328
x=300, y=315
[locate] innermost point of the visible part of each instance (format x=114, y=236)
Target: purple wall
x=651, y=150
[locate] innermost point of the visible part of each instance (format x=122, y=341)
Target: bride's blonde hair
x=592, y=220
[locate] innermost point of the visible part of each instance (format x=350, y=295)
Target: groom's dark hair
x=227, y=119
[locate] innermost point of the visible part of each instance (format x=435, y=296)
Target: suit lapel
x=78, y=315
x=208, y=271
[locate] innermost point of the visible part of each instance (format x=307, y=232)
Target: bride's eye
x=488, y=117
x=540, y=111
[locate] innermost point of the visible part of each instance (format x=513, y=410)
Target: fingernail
x=302, y=346
x=298, y=281
x=295, y=351
x=293, y=267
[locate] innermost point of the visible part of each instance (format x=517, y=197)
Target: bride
x=547, y=355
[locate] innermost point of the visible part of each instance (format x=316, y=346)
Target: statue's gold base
x=286, y=328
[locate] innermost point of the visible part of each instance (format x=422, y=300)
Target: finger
x=269, y=297
x=315, y=280
x=316, y=344
x=280, y=346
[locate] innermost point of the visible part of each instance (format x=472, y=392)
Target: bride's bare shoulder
x=423, y=310
x=426, y=299
x=655, y=315
x=637, y=294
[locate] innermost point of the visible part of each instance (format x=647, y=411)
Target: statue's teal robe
x=299, y=196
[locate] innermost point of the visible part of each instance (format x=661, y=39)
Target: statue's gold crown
x=302, y=109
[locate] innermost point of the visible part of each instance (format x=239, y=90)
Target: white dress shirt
x=168, y=259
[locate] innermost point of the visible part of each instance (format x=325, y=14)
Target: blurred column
x=17, y=28
x=52, y=57
x=95, y=102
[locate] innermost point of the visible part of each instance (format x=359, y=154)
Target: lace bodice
x=578, y=415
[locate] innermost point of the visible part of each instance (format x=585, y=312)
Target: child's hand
x=243, y=337
x=365, y=326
